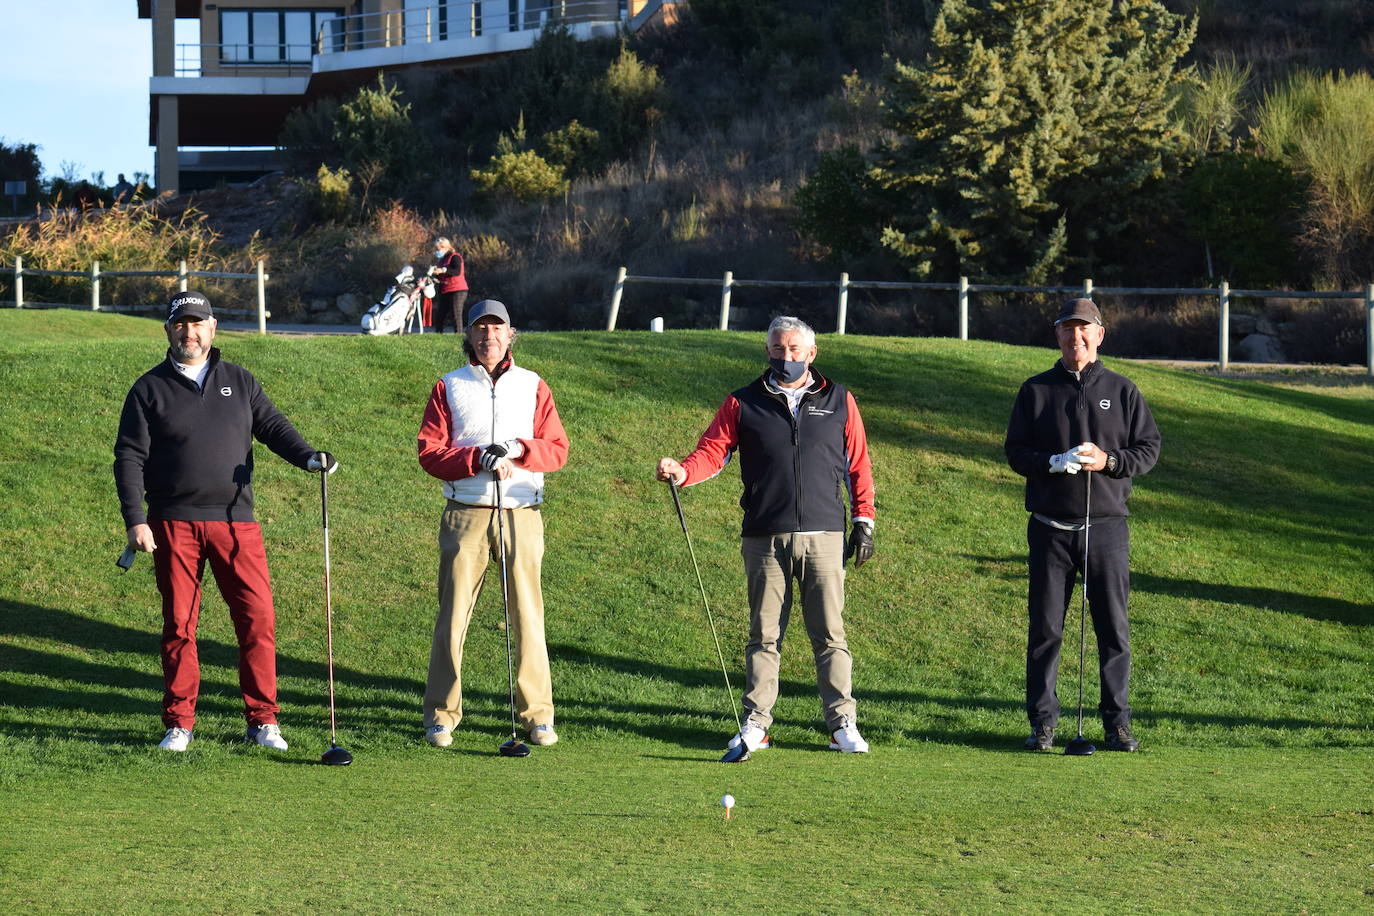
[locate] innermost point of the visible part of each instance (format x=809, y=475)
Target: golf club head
x=336, y=757
x=514, y=748
x=737, y=754
x=1079, y=747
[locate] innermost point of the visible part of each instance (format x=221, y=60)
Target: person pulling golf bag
x=1079, y=417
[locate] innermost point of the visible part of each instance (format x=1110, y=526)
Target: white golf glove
x=1066, y=462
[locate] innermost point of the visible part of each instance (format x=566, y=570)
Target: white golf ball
x=727, y=801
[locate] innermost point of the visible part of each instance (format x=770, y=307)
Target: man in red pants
x=185, y=444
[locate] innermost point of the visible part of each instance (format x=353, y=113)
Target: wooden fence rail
x=182, y=275
x=964, y=289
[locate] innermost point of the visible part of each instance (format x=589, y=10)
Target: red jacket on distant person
x=456, y=279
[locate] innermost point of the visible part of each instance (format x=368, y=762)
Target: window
x=273, y=36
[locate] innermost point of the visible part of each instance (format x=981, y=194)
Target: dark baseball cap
x=485, y=309
x=189, y=304
x=1079, y=310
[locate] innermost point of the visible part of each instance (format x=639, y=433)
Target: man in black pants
x=1079, y=417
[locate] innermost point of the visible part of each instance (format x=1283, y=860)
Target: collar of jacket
x=506, y=362
x=214, y=359
x=1088, y=371
x=818, y=382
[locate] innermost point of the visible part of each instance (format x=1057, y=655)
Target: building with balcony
x=217, y=106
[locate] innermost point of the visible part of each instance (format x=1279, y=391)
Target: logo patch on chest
x=226, y=391
x=1105, y=403
x=817, y=411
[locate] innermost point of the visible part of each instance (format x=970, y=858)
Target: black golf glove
x=322, y=462
x=860, y=545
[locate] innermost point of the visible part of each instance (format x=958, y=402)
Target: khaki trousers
x=467, y=544
x=816, y=562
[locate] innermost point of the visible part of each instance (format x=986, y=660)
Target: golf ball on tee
x=727, y=801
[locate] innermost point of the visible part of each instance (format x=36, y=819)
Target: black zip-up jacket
x=191, y=451
x=1054, y=412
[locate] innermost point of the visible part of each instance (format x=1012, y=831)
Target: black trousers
x=448, y=309
x=1056, y=559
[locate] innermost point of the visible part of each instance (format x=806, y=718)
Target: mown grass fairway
x=1253, y=638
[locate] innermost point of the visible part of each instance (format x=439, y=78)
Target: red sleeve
x=437, y=457
x=548, y=450
x=860, y=470
x=714, y=448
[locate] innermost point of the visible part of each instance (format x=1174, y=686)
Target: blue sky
x=76, y=84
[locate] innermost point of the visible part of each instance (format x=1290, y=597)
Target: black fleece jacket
x=1054, y=412
x=191, y=451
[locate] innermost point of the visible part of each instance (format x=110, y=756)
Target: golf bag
x=402, y=306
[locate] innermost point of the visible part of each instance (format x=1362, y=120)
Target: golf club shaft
x=505, y=601
x=328, y=603
x=1083, y=606
x=682, y=520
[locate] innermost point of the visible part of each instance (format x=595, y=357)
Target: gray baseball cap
x=1079, y=310
x=487, y=308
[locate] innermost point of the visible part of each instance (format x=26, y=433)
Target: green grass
x=1251, y=632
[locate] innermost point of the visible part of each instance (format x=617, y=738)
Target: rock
x=1242, y=324
x=318, y=305
x=350, y=305
x=1265, y=326
x=1260, y=348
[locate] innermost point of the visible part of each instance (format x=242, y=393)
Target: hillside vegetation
x=759, y=136
x=1252, y=636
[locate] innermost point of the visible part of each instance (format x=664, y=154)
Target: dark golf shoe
x=1041, y=738
x=1121, y=739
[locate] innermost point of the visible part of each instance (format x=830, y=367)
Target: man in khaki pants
x=805, y=469
x=490, y=402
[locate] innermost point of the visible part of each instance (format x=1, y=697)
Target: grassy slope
x=1251, y=632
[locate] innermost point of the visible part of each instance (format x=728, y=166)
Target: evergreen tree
x=1026, y=132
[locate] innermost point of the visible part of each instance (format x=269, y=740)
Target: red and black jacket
x=799, y=473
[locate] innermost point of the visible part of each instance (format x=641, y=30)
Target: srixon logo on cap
x=181, y=302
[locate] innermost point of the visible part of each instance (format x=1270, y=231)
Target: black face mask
x=787, y=371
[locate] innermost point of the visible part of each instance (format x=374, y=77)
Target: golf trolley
x=404, y=306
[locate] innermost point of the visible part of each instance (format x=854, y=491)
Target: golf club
x=740, y=752
x=1080, y=746
x=514, y=747
x=335, y=756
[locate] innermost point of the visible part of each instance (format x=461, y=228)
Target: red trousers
x=239, y=563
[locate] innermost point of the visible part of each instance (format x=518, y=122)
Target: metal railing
x=194, y=60
x=387, y=29
x=446, y=21
x=964, y=289
x=95, y=274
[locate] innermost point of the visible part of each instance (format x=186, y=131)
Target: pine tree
x=1026, y=131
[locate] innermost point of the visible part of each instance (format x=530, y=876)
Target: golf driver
x=514, y=747
x=740, y=752
x=335, y=756
x=1080, y=746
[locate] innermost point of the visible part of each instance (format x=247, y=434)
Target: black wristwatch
x=1111, y=463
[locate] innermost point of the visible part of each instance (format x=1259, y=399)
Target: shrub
x=524, y=176
x=331, y=193
x=576, y=147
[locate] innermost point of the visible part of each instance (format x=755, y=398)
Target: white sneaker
x=755, y=738
x=267, y=734
x=847, y=740
x=439, y=735
x=543, y=735
x=176, y=739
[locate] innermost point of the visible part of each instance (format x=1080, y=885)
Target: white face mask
x=438, y=252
